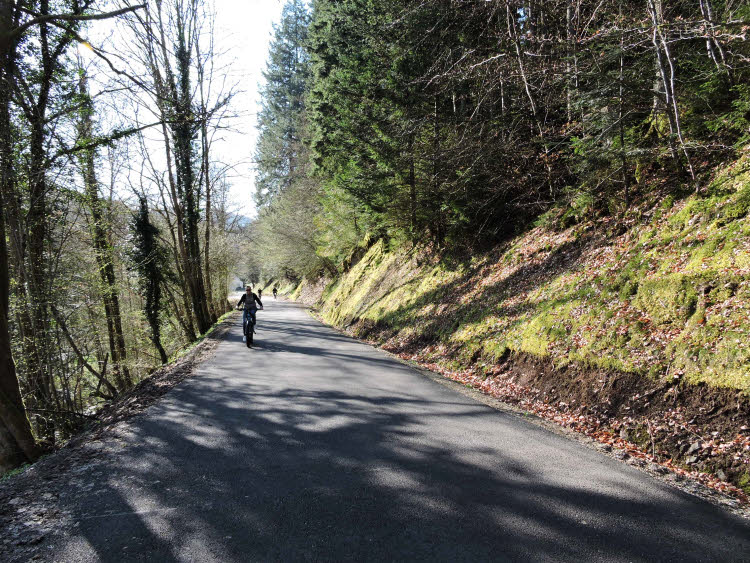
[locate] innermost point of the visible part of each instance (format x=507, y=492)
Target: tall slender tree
x=17, y=443
x=280, y=120
x=19, y=19
x=101, y=236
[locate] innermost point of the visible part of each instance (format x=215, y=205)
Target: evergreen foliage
x=149, y=262
x=280, y=118
x=285, y=236
x=455, y=123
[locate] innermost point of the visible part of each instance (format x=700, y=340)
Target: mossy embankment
x=656, y=303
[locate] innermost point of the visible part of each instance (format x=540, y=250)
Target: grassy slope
x=669, y=297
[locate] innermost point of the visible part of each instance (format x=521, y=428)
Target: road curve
x=314, y=447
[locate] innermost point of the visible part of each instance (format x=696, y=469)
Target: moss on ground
x=668, y=297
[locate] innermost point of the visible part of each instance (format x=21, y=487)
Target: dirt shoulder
x=30, y=500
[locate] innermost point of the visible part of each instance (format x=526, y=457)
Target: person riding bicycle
x=249, y=299
x=275, y=291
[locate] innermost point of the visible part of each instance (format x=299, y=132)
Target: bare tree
x=169, y=35
x=16, y=439
x=101, y=238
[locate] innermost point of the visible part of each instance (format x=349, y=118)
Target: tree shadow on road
x=238, y=472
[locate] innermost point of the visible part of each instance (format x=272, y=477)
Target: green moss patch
x=669, y=297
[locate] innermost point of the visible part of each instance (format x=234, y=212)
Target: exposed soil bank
x=699, y=431
x=703, y=427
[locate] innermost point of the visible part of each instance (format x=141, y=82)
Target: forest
x=453, y=124
x=445, y=125
x=118, y=237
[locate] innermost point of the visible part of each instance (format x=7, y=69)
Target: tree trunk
x=207, y=238
x=568, y=66
x=206, y=170
x=150, y=266
x=667, y=74
x=175, y=102
x=183, y=135
x=623, y=158
x=412, y=190
x=185, y=321
x=102, y=247
x=513, y=34
x=715, y=50
x=39, y=376
x=17, y=444
x=437, y=221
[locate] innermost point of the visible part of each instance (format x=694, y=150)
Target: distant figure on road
x=274, y=292
x=249, y=299
x=260, y=293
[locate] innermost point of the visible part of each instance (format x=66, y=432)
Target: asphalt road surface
x=314, y=447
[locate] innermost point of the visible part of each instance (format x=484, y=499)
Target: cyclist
x=274, y=292
x=250, y=300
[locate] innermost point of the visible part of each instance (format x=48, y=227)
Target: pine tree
x=283, y=102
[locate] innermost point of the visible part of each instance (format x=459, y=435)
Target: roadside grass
x=288, y=288
x=13, y=472
x=296, y=291
x=670, y=296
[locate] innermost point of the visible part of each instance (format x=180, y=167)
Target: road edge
x=663, y=475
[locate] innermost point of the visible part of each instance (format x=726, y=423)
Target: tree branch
x=70, y=18
x=99, y=376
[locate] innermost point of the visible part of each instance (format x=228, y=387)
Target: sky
x=243, y=30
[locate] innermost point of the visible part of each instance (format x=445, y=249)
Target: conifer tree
x=149, y=263
x=283, y=102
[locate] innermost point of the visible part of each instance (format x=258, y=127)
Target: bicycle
x=248, y=327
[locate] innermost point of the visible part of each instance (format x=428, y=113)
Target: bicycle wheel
x=245, y=324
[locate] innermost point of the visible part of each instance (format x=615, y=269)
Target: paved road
x=313, y=447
